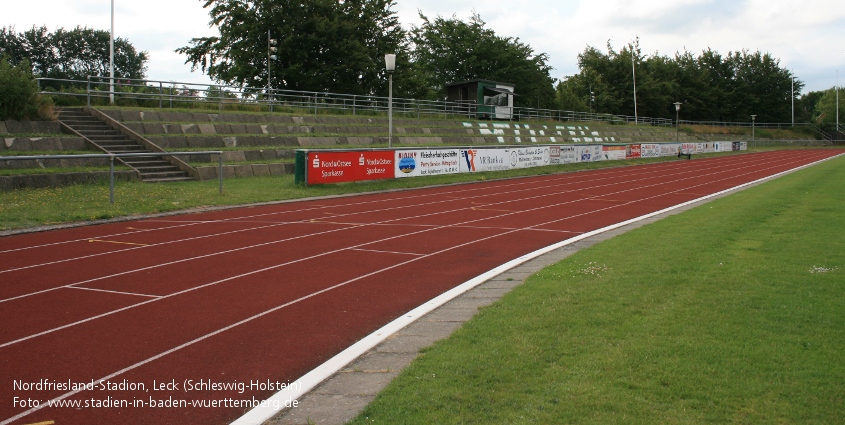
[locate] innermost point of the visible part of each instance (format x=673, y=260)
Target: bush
x=19, y=98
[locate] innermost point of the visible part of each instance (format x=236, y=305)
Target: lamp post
x=677, y=121
x=390, y=66
x=753, y=120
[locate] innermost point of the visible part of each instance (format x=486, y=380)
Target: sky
x=807, y=36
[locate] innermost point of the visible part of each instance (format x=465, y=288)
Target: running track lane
x=267, y=293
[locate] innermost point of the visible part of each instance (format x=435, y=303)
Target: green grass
x=733, y=312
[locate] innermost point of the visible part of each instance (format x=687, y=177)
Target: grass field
x=733, y=312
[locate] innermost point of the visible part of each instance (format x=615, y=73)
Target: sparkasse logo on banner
x=338, y=167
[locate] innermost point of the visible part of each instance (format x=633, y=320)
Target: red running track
x=265, y=294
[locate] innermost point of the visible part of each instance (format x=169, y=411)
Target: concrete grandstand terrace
x=262, y=144
x=273, y=138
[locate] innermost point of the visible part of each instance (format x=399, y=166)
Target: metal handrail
x=175, y=92
x=112, y=156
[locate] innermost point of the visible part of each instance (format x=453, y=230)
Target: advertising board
x=614, y=153
x=338, y=167
x=426, y=162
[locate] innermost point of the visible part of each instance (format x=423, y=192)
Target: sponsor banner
x=649, y=150
x=554, y=154
x=567, y=154
x=564, y=154
x=589, y=153
x=705, y=148
x=690, y=148
x=529, y=157
x=474, y=160
x=670, y=149
x=427, y=162
x=614, y=153
x=633, y=151
x=724, y=146
x=738, y=146
x=337, y=167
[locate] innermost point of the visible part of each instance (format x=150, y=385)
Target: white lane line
x=604, y=175
x=386, y=252
x=119, y=243
x=115, y=292
x=274, y=225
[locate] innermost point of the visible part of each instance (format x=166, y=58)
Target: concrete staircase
x=109, y=140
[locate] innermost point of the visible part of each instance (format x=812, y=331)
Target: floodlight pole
x=677, y=121
x=634, y=75
x=111, y=57
x=390, y=66
x=753, y=120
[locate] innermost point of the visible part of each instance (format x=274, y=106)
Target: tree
x=451, y=50
x=710, y=86
x=824, y=110
x=323, y=45
x=19, y=97
x=73, y=54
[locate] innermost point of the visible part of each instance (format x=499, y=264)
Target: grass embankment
x=799, y=133
x=733, y=312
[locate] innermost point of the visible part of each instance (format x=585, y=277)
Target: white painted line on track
x=552, y=183
x=310, y=380
x=386, y=252
x=114, y=292
x=606, y=174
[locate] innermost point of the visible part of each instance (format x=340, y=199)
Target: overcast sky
x=808, y=36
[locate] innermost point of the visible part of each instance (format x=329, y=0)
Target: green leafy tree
x=19, y=97
x=824, y=110
x=710, y=86
x=72, y=54
x=451, y=50
x=323, y=45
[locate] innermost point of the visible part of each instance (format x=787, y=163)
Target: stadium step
x=151, y=169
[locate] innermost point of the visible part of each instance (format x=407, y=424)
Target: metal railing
x=161, y=94
x=112, y=156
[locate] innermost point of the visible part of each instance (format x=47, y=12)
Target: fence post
x=89, y=91
x=220, y=172
x=111, y=179
x=160, y=94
